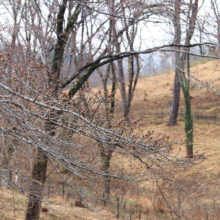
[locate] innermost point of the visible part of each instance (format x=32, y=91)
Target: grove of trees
x=51, y=115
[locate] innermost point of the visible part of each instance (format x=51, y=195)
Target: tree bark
x=121, y=79
x=176, y=93
x=106, y=152
x=188, y=123
x=36, y=188
x=176, y=84
x=186, y=81
x=112, y=110
x=38, y=179
x=175, y=101
x=106, y=158
x=133, y=81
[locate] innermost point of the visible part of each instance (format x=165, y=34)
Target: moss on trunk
x=188, y=123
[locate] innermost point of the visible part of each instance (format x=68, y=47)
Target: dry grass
x=13, y=207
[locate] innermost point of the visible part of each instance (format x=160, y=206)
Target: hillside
x=205, y=107
x=151, y=101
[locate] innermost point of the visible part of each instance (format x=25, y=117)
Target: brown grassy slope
x=13, y=204
x=159, y=89
x=204, y=102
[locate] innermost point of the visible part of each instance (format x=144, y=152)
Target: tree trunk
x=132, y=86
x=188, y=124
x=36, y=188
x=40, y=163
x=106, y=153
x=38, y=179
x=175, y=101
x=188, y=117
x=186, y=81
x=180, y=60
x=176, y=84
x=106, y=158
x=113, y=89
x=176, y=90
x=121, y=79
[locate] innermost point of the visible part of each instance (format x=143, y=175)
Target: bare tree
x=180, y=59
x=40, y=164
x=176, y=85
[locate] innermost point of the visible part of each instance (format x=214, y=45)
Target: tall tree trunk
x=176, y=84
x=106, y=152
x=133, y=80
x=175, y=101
x=40, y=163
x=188, y=123
x=185, y=82
x=130, y=80
x=38, y=179
x=106, y=158
x=112, y=109
x=121, y=79
x=176, y=92
x=180, y=60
